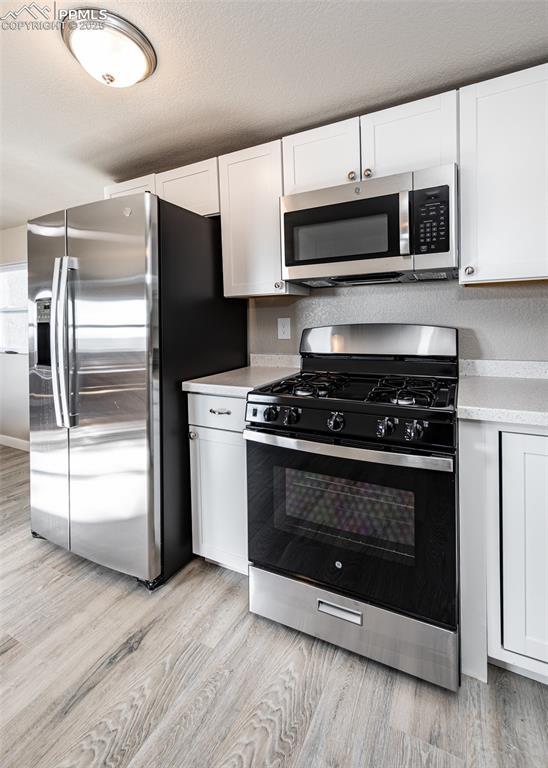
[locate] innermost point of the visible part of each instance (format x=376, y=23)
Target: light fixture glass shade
x=117, y=55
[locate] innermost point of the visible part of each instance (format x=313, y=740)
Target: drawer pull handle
x=339, y=612
x=220, y=411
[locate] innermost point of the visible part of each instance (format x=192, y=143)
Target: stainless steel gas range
x=352, y=495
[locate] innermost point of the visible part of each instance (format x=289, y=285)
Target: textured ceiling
x=232, y=74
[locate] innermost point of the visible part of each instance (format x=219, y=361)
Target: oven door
x=376, y=525
x=351, y=230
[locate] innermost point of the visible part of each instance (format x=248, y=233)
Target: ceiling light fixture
x=113, y=51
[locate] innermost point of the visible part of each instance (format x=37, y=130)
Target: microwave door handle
x=53, y=339
x=414, y=461
x=404, y=224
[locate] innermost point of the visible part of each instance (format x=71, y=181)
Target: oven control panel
x=273, y=414
x=431, y=220
x=381, y=428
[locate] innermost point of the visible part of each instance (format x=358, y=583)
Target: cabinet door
x=251, y=185
x=194, y=187
x=219, y=496
x=132, y=187
x=525, y=544
x=322, y=157
x=503, y=178
x=421, y=134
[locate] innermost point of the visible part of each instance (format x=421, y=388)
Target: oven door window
x=363, y=229
x=348, y=513
x=384, y=534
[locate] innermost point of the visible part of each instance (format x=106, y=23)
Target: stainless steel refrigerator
x=125, y=302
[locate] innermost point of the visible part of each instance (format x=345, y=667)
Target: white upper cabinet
x=132, y=187
x=194, y=187
x=421, y=134
x=322, y=157
x=503, y=178
x=250, y=183
x=524, y=544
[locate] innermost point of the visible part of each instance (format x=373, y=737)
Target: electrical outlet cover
x=284, y=327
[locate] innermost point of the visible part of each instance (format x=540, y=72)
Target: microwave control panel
x=431, y=220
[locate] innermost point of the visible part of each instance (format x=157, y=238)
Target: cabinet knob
x=192, y=435
x=278, y=285
x=351, y=175
x=367, y=173
x=469, y=270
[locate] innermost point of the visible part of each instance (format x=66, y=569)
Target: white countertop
x=511, y=400
x=239, y=382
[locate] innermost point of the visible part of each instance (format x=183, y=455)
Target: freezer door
x=49, y=446
x=114, y=508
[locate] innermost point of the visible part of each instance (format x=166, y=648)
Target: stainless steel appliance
x=125, y=301
x=389, y=229
x=352, y=512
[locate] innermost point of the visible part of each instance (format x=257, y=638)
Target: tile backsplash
x=495, y=322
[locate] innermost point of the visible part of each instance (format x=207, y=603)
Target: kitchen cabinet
x=322, y=157
x=525, y=544
x=503, y=501
x=420, y=134
x=503, y=171
x=250, y=184
x=194, y=187
x=132, y=187
x=218, y=479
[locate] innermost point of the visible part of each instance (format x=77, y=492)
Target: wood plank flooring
x=97, y=672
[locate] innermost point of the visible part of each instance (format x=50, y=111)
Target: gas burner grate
x=405, y=382
x=308, y=385
x=403, y=390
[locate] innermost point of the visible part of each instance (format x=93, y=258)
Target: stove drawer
x=216, y=412
x=421, y=649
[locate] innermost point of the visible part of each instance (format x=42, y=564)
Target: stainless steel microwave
x=389, y=229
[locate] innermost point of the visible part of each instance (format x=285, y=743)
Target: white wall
x=14, y=400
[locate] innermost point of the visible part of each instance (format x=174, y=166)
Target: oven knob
x=270, y=413
x=413, y=430
x=385, y=427
x=335, y=421
x=290, y=416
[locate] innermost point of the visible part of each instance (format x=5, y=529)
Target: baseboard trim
x=14, y=442
x=532, y=674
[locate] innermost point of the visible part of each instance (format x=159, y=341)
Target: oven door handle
x=413, y=461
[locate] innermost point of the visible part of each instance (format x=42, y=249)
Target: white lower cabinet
x=525, y=544
x=503, y=500
x=219, y=496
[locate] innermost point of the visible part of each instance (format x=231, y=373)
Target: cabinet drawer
x=217, y=412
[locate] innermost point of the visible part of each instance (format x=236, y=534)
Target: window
x=13, y=308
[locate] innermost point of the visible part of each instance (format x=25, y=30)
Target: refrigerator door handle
x=60, y=372
x=54, y=323
x=71, y=367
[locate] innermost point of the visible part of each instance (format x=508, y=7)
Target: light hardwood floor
x=97, y=672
